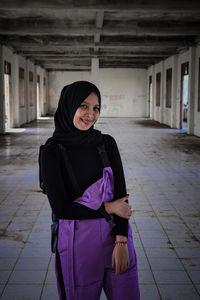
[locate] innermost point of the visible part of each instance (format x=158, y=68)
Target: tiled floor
x=162, y=169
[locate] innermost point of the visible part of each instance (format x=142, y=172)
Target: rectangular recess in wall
x=21, y=88
x=31, y=88
x=44, y=91
x=158, y=84
x=198, y=108
x=7, y=68
x=169, y=88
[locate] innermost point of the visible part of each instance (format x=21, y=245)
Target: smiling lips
x=86, y=122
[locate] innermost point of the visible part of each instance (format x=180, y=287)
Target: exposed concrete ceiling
x=67, y=34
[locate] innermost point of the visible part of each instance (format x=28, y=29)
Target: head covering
x=71, y=97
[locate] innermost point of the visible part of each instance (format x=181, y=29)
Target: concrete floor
x=162, y=169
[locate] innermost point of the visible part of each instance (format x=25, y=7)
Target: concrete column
x=15, y=93
x=191, y=91
x=95, y=71
x=174, y=91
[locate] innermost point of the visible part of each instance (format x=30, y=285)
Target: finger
x=113, y=261
x=125, y=198
x=117, y=268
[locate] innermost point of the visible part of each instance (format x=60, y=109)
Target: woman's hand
x=120, y=258
x=119, y=207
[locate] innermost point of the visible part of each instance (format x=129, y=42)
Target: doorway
x=8, y=95
x=150, y=97
x=184, y=96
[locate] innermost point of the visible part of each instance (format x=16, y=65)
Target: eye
x=96, y=108
x=84, y=106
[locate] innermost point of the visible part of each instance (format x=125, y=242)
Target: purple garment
x=85, y=251
x=99, y=192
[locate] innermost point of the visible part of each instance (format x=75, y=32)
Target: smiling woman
x=83, y=177
x=88, y=112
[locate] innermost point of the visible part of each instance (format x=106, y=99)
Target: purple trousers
x=83, y=263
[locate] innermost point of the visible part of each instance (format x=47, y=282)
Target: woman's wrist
x=121, y=238
x=108, y=207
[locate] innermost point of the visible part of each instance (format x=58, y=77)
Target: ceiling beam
x=99, y=4
x=60, y=28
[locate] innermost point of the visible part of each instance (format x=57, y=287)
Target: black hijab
x=66, y=133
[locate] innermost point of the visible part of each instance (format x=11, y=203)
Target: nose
x=90, y=112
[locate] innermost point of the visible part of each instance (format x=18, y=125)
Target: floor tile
x=27, y=277
x=19, y=292
x=50, y=292
x=32, y=264
x=178, y=292
x=171, y=277
x=149, y=292
x=169, y=263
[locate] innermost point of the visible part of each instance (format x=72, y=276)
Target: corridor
x=162, y=170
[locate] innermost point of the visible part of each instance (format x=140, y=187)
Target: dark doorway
x=150, y=97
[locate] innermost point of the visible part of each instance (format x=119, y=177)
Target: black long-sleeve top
x=88, y=168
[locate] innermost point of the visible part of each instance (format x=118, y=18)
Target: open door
x=8, y=95
x=184, y=95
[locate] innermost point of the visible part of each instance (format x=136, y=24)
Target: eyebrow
x=85, y=102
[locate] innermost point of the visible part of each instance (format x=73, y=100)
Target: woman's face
x=87, y=113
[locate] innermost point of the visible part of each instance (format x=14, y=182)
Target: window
x=7, y=68
x=31, y=88
x=44, y=91
x=21, y=87
x=158, y=82
x=198, y=108
x=168, y=87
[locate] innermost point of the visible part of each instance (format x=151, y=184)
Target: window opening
x=31, y=99
x=150, y=96
x=169, y=88
x=38, y=96
x=44, y=91
x=21, y=88
x=158, y=83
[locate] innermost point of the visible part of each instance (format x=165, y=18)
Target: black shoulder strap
x=104, y=156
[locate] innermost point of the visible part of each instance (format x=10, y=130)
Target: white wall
x=20, y=115
x=171, y=116
x=123, y=90
x=57, y=80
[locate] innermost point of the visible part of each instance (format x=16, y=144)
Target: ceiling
x=67, y=34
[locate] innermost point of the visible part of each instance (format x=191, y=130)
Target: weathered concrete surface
x=162, y=169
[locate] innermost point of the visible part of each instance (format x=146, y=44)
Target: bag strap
x=103, y=155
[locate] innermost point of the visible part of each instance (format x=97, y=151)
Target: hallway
x=162, y=170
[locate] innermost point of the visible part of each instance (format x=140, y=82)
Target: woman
x=83, y=178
